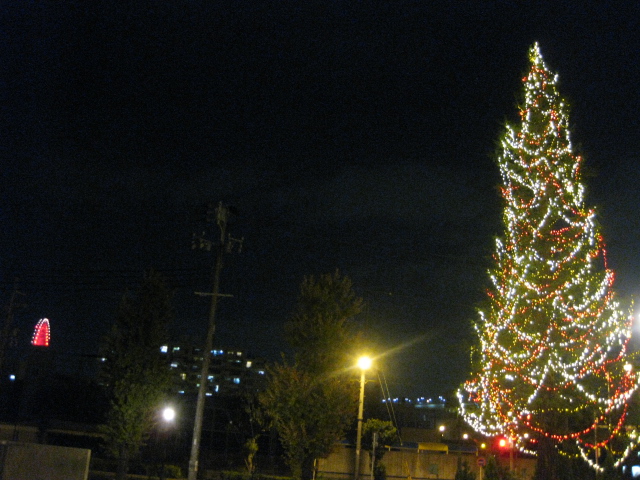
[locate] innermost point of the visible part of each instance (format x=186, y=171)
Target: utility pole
x=6, y=333
x=225, y=245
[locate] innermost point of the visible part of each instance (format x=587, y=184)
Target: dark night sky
x=350, y=135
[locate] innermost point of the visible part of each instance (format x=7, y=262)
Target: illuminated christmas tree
x=551, y=363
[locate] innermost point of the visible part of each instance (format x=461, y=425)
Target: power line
x=386, y=395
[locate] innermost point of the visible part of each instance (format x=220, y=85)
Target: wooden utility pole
x=224, y=245
x=6, y=333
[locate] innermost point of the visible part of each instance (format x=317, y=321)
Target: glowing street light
x=168, y=415
x=364, y=363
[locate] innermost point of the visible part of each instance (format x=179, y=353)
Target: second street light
x=168, y=415
x=364, y=363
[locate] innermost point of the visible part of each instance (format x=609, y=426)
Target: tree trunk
x=546, y=468
x=123, y=463
x=308, y=468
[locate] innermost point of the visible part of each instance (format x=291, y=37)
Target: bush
x=464, y=472
x=172, y=471
x=380, y=471
x=233, y=475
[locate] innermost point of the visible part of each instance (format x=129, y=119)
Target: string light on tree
x=551, y=359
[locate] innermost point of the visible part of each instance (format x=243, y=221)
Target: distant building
x=232, y=375
x=231, y=371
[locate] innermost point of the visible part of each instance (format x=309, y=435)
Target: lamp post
x=364, y=363
x=168, y=415
x=511, y=454
x=504, y=443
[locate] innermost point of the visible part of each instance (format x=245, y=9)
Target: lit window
x=176, y=349
x=248, y=363
x=236, y=380
x=261, y=372
x=12, y=377
x=164, y=349
x=183, y=376
x=174, y=364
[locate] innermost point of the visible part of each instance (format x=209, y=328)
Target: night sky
x=349, y=135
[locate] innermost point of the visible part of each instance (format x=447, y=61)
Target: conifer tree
x=134, y=371
x=312, y=400
x=551, y=362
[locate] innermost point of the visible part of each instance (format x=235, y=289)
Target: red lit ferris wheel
x=41, y=334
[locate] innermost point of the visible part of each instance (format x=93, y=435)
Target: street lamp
x=168, y=415
x=364, y=363
x=505, y=443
